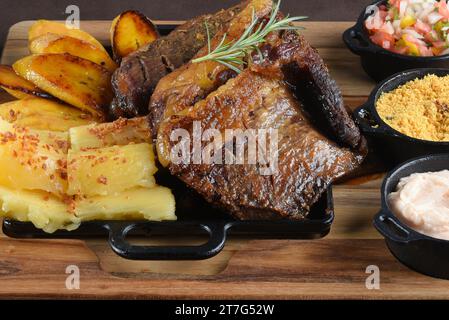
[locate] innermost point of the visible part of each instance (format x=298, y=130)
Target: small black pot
x=392, y=145
x=379, y=63
x=419, y=252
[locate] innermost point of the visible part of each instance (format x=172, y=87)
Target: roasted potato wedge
x=43, y=114
x=130, y=31
x=120, y=132
x=41, y=27
x=74, y=80
x=55, y=43
x=17, y=86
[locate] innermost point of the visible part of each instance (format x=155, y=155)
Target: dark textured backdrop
x=12, y=11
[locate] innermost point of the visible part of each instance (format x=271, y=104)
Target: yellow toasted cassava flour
x=419, y=108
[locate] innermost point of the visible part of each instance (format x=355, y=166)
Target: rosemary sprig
x=232, y=54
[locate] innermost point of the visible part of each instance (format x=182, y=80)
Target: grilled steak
x=134, y=82
x=290, y=90
x=307, y=161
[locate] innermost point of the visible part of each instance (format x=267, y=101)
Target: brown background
x=12, y=11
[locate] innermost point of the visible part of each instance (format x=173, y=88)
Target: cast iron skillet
x=195, y=217
x=417, y=251
x=379, y=63
x=392, y=145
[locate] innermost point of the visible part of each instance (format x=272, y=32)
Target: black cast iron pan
x=419, y=252
x=393, y=146
x=379, y=63
x=195, y=216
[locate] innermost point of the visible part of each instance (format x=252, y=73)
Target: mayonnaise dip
x=421, y=201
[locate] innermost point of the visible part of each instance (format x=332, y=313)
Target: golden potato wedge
x=17, y=86
x=120, y=132
x=41, y=27
x=111, y=170
x=43, y=114
x=74, y=80
x=56, y=43
x=130, y=31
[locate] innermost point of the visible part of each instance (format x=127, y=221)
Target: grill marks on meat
x=307, y=161
x=134, y=82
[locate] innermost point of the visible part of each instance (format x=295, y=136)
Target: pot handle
x=369, y=126
x=356, y=42
x=390, y=227
x=119, y=244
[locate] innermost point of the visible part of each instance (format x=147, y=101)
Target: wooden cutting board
x=333, y=267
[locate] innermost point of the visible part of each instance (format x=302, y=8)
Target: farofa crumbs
x=419, y=108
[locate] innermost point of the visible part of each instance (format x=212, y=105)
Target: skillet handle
x=390, y=227
x=119, y=244
x=357, y=43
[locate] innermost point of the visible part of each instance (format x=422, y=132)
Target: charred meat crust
x=300, y=65
x=139, y=73
x=321, y=93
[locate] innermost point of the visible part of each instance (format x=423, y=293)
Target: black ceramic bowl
x=417, y=251
x=392, y=145
x=379, y=63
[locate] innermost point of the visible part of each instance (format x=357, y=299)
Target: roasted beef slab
x=288, y=89
x=134, y=81
x=307, y=160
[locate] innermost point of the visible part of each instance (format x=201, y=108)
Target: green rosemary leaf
x=208, y=36
x=232, y=54
x=230, y=66
x=259, y=53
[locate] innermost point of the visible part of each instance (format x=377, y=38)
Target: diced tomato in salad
x=411, y=27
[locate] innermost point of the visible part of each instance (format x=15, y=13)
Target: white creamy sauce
x=422, y=202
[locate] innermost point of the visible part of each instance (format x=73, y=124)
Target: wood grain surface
x=333, y=267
